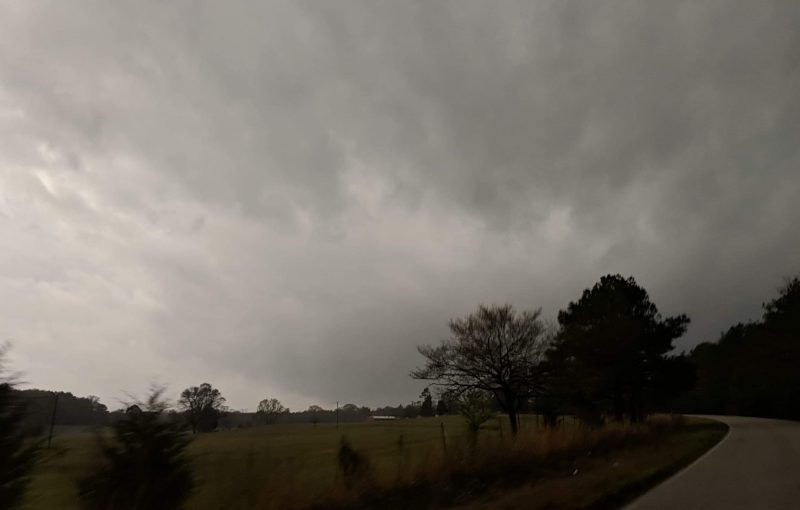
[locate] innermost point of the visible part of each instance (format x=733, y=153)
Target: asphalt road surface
x=755, y=466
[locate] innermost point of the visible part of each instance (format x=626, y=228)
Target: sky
x=285, y=198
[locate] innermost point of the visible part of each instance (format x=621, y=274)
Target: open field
x=271, y=466
x=231, y=465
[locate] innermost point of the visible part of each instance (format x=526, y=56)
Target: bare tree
x=313, y=413
x=203, y=405
x=270, y=409
x=494, y=349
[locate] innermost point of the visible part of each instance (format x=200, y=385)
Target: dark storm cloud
x=285, y=198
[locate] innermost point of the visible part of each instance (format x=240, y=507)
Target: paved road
x=756, y=466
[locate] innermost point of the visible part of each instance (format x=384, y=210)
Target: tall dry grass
x=464, y=470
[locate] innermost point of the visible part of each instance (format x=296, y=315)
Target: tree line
x=754, y=367
x=203, y=408
x=610, y=357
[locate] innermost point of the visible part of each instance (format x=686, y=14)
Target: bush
x=145, y=465
x=17, y=452
x=354, y=466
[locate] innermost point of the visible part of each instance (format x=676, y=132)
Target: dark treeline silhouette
x=754, y=368
x=42, y=409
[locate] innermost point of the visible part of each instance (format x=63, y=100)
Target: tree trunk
x=637, y=413
x=619, y=405
x=512, y=420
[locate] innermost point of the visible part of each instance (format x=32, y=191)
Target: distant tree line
x=42, y=408
x=754, y=368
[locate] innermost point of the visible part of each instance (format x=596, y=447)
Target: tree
x=314, y=412
x=17, y=452
x=476, y=408
x=411, y=410
x=144, y=465
x=611, y=346
x=270, y=409
x=426, y=410
x=447, y=404
x=494, y=349
x=97, y=407
x=203, y=405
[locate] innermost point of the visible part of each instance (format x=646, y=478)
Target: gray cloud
x=285, y=198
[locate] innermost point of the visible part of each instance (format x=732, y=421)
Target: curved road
x=755, y=466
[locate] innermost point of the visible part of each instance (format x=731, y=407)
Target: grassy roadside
x=569, y=468
x=614, y=478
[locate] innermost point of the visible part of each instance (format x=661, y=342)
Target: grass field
x=231, y=466
x=265, y=466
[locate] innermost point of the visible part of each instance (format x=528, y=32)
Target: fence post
x=52, y=421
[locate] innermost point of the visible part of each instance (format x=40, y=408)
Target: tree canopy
x=203, y=405
x=611, y=348
x=270, y=409
x=494, y=349
x=754, y=368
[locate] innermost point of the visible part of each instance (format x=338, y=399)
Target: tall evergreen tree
x=612, y=346
x=426, y=410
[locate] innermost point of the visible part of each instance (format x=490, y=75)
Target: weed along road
x=755, y=466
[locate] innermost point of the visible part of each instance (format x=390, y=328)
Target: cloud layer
x=285, y=198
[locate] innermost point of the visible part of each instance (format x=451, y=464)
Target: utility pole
x=52, y=421
x=337, y=414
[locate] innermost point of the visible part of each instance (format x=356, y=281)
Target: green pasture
x=238, y=468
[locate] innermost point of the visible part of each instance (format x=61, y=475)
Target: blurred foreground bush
x=144, y=465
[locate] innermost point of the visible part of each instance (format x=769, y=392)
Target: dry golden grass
x=567, y=467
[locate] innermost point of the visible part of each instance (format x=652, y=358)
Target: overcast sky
x=285, y=198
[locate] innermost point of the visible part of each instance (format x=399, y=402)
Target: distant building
x=381, y=418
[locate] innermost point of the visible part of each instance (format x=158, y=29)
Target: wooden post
x=444, y=439
x=52, y=421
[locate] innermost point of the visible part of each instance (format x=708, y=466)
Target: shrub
x=144, y=466
x=353, y=465
x=17, y=452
